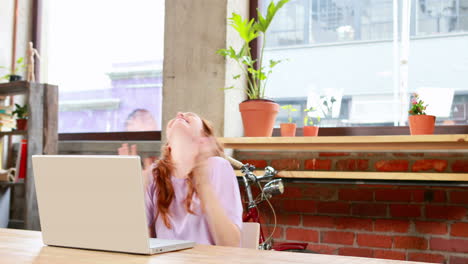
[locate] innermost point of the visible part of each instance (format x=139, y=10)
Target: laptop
x=95, y=202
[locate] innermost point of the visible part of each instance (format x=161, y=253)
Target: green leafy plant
x=290, y=109
x=308, y=121
x=257, y=73
x=21, y=112
x=417, y=106
x=20, y=67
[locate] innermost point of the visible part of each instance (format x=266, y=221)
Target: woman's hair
x=162, y=177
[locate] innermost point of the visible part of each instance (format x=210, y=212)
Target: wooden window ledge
x=352, y=143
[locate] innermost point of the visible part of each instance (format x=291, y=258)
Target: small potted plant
x=13, y=75
x=288, y=129
x=258, y=113
x=309, y=129
x=419, y=122
x=21, y=113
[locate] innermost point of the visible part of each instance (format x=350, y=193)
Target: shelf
x=406, y=176
x=13, y=88
x=14, y=133
x=357, y=143
x=2, y=183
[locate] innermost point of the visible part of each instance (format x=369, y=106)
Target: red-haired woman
x=192, y=192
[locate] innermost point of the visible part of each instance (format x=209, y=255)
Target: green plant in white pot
x=258, y=113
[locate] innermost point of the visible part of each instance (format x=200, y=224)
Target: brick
x=355, y=195
x=352, y=165
x=410, y=242
x=371, y=154
x=332, y=208
x=460, y=166
x=317, y=221
x=381, y=186
x=334, y=237
x=292, y=192
x=383, y=225
x=288, y=219
x=458, y=260
x=404, y=210
x=320, y=193
x=436, y=228
x=432, y=196
x=416, y=154
x=399, y=154
x=353, y=223
x=391, y=165
x=302, y=206
x=369, y=209
x=388, y=254
x=299, y=234
x=426, y=257
x=333, y=154
x=318, y=164
x=459, y=197
x=447, y=155
x=323, y=249
x=393, y=195
x=285, y=164
x=356, y=252
x=459, y=229
x=451, y=245
x=259, y=164
x=278, y=234
x=380, y=241
x=429, y=165
x=445, y=212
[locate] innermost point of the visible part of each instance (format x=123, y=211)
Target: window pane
x=441, y=16
x=106, y=56
x=350, y=84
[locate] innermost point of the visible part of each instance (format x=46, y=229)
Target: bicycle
x=268, y=190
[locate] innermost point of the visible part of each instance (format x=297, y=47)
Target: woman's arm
x=224, y=231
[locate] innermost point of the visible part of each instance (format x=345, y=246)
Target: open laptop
x=95, y=202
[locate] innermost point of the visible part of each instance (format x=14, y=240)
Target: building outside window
x=343, y=49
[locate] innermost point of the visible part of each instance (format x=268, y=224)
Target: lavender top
x=186, y=226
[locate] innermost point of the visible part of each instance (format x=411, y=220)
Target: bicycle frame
x=252, y=215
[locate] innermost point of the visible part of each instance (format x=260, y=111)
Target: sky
x=86, y=37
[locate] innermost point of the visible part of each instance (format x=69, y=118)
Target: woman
x=192, y=192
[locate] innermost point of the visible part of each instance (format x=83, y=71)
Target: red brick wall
x=418, y=223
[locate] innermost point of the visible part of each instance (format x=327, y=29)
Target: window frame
x=357, y=130
x=37, y=9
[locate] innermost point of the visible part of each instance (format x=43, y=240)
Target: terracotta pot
x=288, y=129
x=421, y=124
x=21, y=124
x=310, y=131
x=258, y=117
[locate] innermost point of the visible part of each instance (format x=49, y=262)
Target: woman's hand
x=132, y=151
x=206, y=149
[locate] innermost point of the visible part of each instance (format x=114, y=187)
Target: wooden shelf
x=20, y=87
x=2, y=183
x=357, y=143
x=351, y=175
x=14, y=133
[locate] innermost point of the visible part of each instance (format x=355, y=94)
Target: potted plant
x=258, y=113
x=13, y=75
x=309, y=129
x=419, y=122
x=21, y=113
x=288, y=129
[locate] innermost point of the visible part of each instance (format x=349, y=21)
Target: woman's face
x=184, y=125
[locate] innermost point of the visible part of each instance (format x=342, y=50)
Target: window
x=344, y=51
x=106, y=57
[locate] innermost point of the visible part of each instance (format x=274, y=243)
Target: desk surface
x=25, y=247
